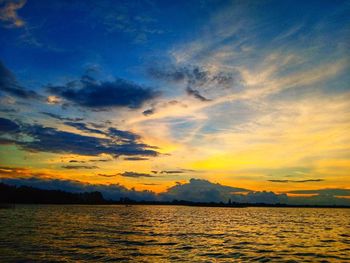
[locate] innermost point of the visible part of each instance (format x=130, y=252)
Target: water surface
x=73, y=233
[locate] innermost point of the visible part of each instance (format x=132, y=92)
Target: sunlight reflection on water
x=173, y=233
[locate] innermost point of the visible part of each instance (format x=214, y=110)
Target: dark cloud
x=135, y=175
x=97, y=125
x=296, y=181
x=59, y=117
x=120, y=135
x=178, y=171
x=195, y=75
x=148, y=112
x=107, y=175
x=9, y=110
x=83, y=127
x=172, y=172
x=9, y=85
x=135, y=158
x=101, y=95
x=124, y=135
x=46, y=139
x=77, y=167
x=100, y=160
x=190, y=74
x=76, y=161
x=195, y=93
x=157, y=107
x=8, y=126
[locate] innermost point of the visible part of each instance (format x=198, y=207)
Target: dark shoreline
x=240, y=205
x=12, y=195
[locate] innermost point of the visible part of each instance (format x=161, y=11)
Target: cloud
x=195, y=75
x=191, y=75
x=107, y=175
x=100, y=160
x=296, y=181
x=148, y=112
x=8, y=13
x=135, y=21
x=83, y=127
x=196, y=94
x=77, y=167
x=135, y=175
x=47, y=139
x=102, y=95
x=8, y=126
x=157, y=107
x=9, y=84
x=124, y=135
x=172, y=172
x=113, y=133
x=76, y=161
x=135, y=158
x=196, y=79
x=201, y=191
x=177, y=171
x=326, y=192
x=59, y=117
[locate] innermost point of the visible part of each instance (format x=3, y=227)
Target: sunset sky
x=145, y=94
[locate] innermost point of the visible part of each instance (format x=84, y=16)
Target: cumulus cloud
x=198, y=190
x=8, y=13
x=47, y=139
x=9, y=85
x=102, y=95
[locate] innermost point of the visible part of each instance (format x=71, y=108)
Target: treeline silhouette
x=10, y=194
x=31, y=195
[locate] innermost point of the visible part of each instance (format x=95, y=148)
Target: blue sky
x=252, y=94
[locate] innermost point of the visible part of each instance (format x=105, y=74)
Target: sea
x=150, y=233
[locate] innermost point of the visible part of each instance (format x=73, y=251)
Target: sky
x=147, y=95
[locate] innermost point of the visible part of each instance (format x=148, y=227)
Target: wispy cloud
x=295, y=181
